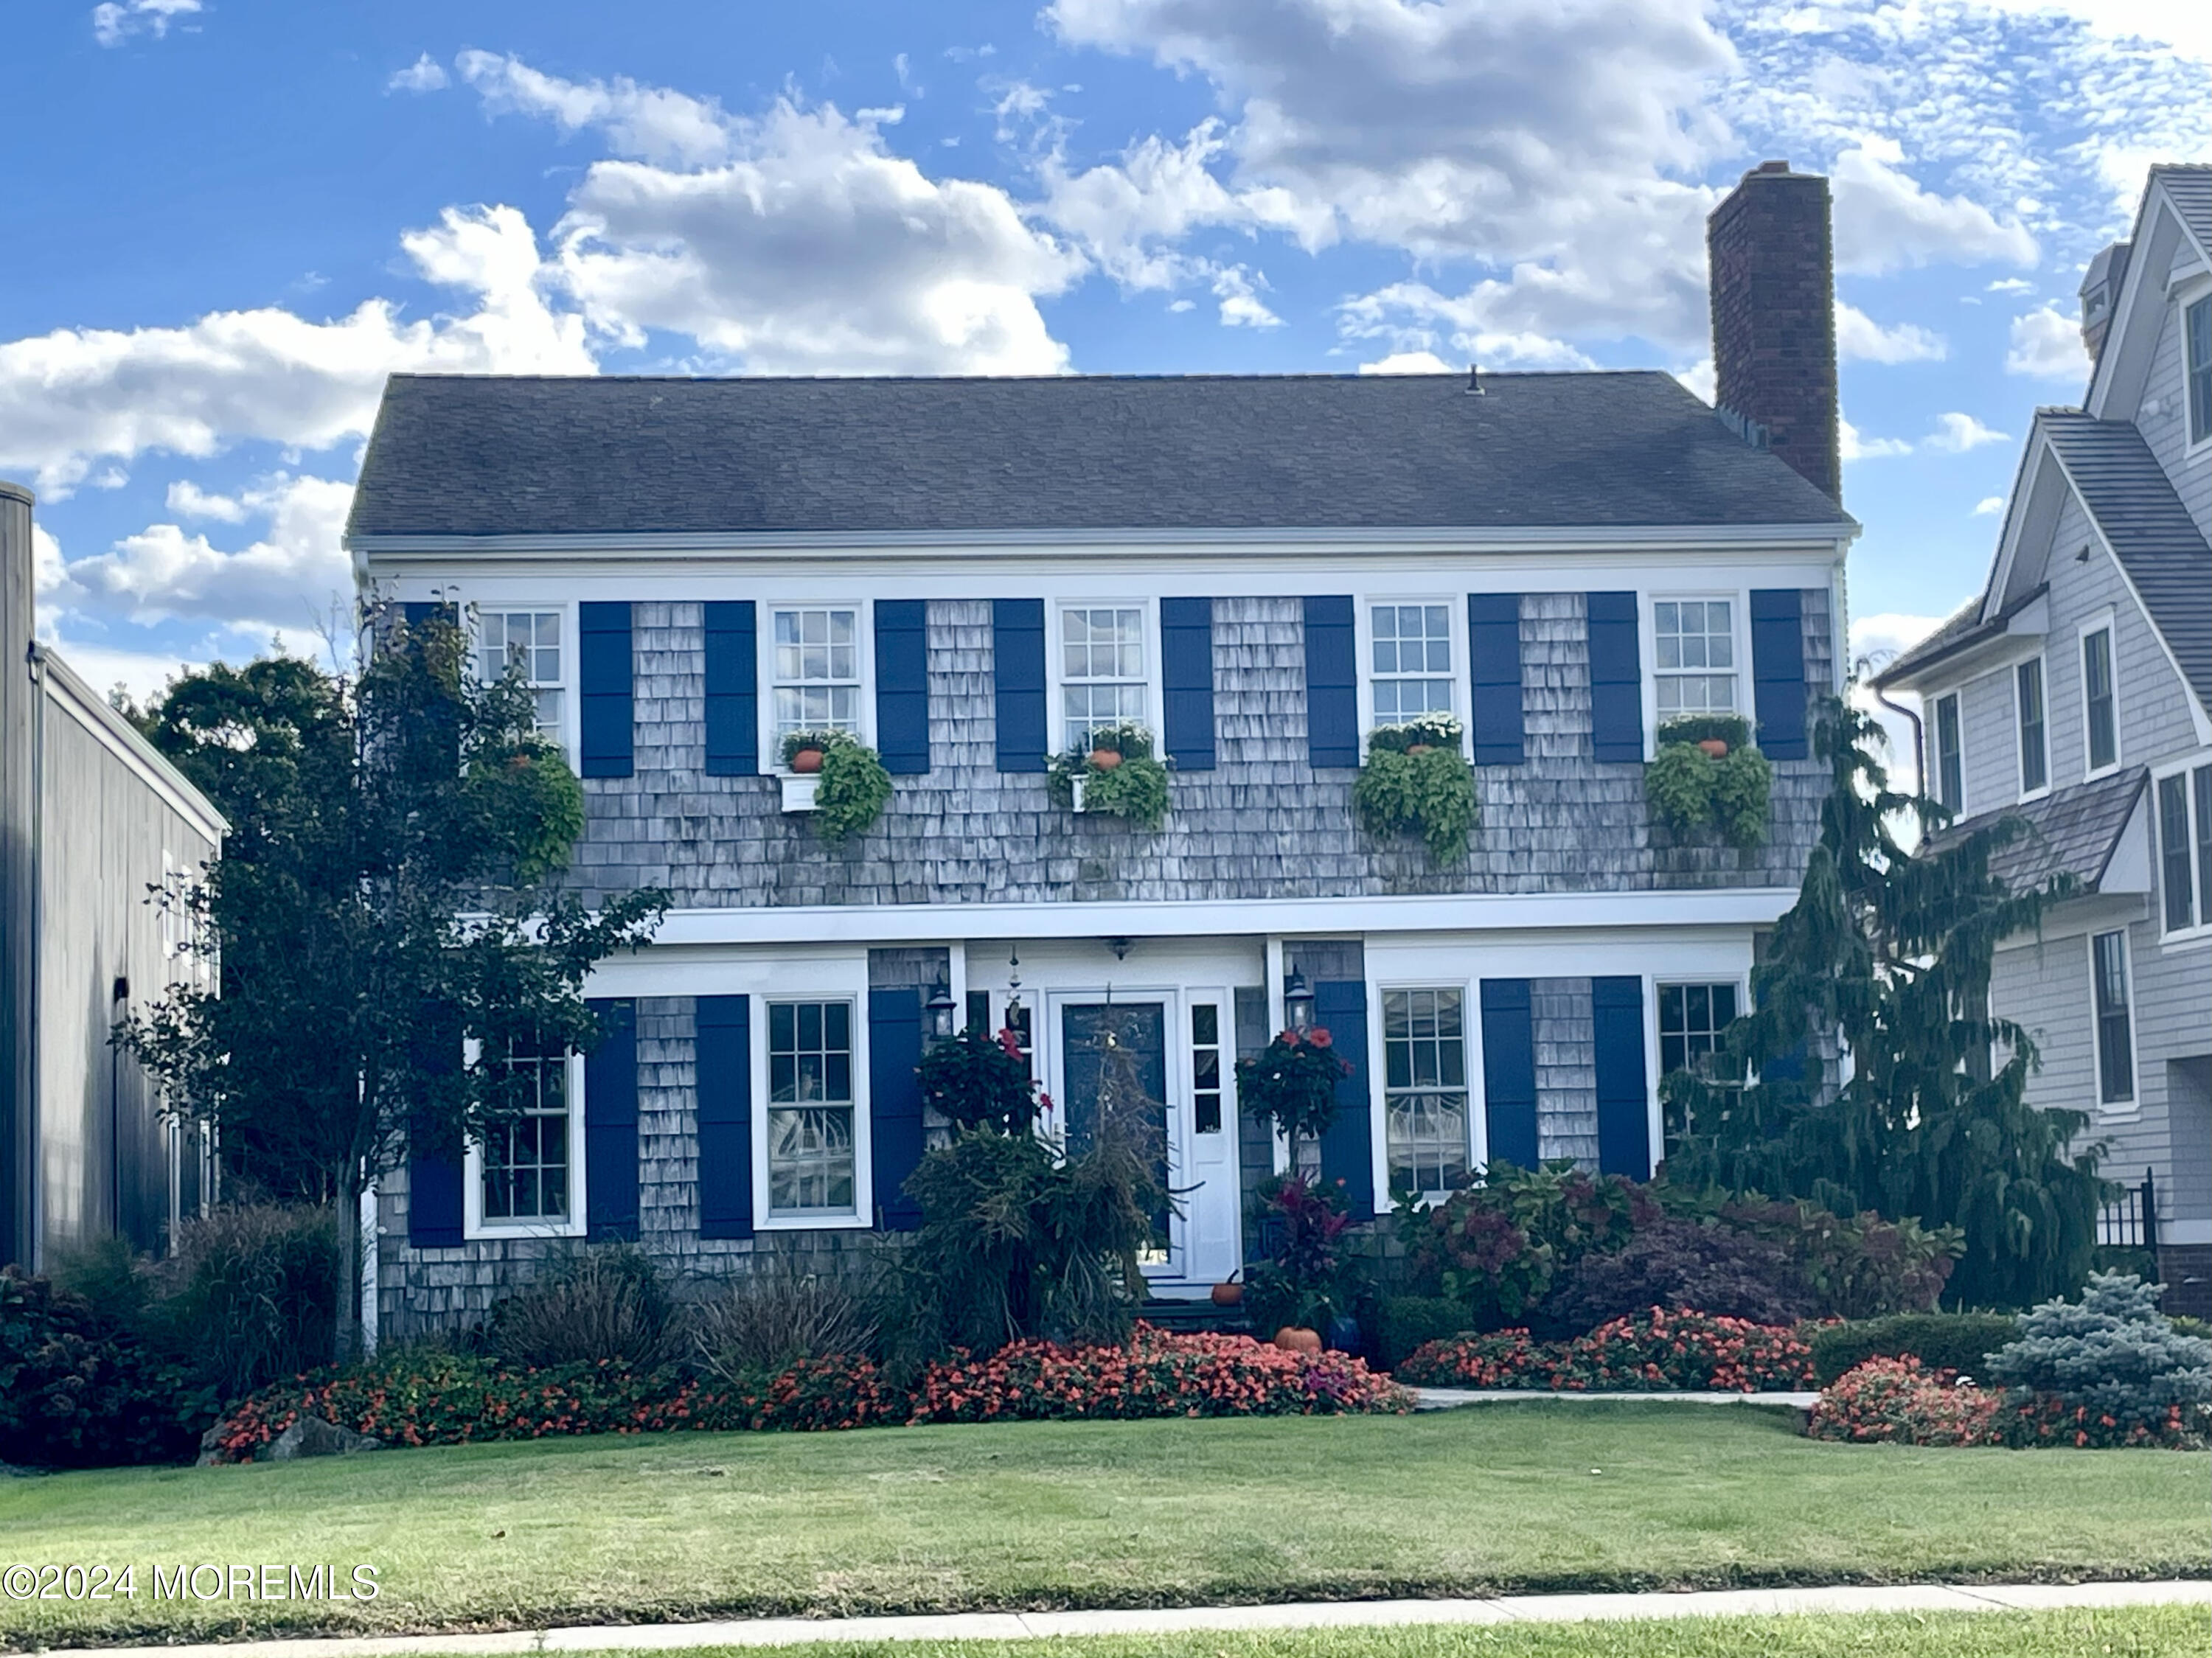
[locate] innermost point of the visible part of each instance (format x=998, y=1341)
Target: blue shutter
x=434, y=1216
x=1778, y=670
x=1347, y=1149
x=1509, y=1071
x=895, y=1102
x=1332, y=685
x=733, y=690
x=723, y=1063
x=903, y=685
x=1017, y=679
x=1493, y=649
x=611, y=1123
x=1624, y=1097
x=1616, y=678
x=603, y=680
x=417, y=612
x=1187, y=674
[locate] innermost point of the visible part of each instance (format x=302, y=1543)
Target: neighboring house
x=99, y=836
x=2074, y=692
x=968, y=572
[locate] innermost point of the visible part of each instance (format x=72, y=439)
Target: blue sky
x=230, y=218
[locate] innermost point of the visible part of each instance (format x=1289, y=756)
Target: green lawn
x=1497, y=1500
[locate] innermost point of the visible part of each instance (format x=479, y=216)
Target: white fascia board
x=2124, y=364
x=120, y=739
x=1602, y=912
x=2023, y=512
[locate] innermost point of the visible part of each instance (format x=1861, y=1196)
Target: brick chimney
x=1773, y=276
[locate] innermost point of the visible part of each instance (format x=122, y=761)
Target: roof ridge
x=1455, y=375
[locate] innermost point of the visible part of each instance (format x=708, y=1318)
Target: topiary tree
x=2112, y=1352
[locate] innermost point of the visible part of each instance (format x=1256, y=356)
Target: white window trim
x=2201, y=931
x=805, y=989
x=1935, y=752
x=474, y=1226
x=2117, y=1110
x=571, y=737
x=2019, y=735
x=1362, y=634
x=2193, y=289
x=864, y=644
x=1647, y=645
x=1055, y=662
x=2104, y=622
x=1655, y=1066
x=1378, y=1105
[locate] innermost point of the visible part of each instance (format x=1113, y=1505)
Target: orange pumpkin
x=1292, y=1339
x=1227, y=1295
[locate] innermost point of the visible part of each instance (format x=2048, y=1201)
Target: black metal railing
x=2130, y=1221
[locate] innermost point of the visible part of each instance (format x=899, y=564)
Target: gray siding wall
x=1989, y=734
x=1264, y=824
x=1566, y=1069
x=2162, y=418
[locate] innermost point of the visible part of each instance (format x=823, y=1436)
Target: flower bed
x=449, y=1399
x=1655, y=1352
x=1901, y=1401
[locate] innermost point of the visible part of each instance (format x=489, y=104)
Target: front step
x=1192, y=1317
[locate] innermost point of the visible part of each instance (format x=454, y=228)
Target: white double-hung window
x=1424, y=1089
x=1410, y=649
x=2185, y=849
x=816, y=663
x=528, y=641
x=812, y=1167
x=527, y=1170
x=1693, y=645
x=1103, y=675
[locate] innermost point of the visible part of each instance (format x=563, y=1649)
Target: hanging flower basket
x=1417, y=781
x=1705, y=773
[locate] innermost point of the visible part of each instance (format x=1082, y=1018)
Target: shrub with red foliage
x=1661, y=1351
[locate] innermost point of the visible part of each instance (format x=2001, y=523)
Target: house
x=970, y=574
x=2074, y=692
x=99, y=836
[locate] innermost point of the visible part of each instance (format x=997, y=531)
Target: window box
x=1417, y=780
x=1690, y=789
x=1130, y=783
x=831, y=773
x=799, y=792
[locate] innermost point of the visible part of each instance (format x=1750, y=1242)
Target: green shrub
x=1407, y=1322
x=78, y=1390
x=1690, y=791
x=2112, y=1354
x=854, y=791
x=607, y=1303
x=1497, y=1248
x=2184, y=1325
x=1431, y=794
x=1676, y=1262
x=1961, y=1342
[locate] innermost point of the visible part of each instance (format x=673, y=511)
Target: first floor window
x=1691, y=1020
x=1950, y=760
x=529, y=643
x=1424, y=1089
x=1696, y=642
x=2097, y=709
x=2185, y=847
x=1101, y=670
x=809, y=1112
x=2034, y=754
x=2115, y=1057
x=1412, y=663
x=818, y=671
x=526, y=1158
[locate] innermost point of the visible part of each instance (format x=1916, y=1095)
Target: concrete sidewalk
x=1310, y=1614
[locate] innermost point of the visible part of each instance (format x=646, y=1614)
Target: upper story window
x=817, y=669
x=2196, y=330
x=2185, y=848
x=1424, y=1089
x=1950, y=778
x=1102, y=669
x=529, y=641
x=2116, y=1053
x=810, y=1160
x=1695, y=643
x=2034, y=748
x=2100, y=718
x=1412, y=654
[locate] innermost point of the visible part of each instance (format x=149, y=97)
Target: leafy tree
x=387, y=912
x=1885, y=956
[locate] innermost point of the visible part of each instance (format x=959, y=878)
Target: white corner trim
x=115, y=733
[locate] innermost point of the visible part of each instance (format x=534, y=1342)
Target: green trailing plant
x=1417, y=780
x=854, y=791
x=1691, y=791
x=796, y=742
x=1134, y=788
x=1290, y=1084
x=978, y=1080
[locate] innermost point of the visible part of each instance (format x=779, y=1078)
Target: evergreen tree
x=1886, y=958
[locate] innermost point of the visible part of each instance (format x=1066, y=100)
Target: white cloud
x=425, y=74
x=73, y=396
x=115, y=21
x=1241, y=304
x=2009, y=285
x=652, y=124
x=187, y=500
x=1859, y=338
x=1856, y=447
x=1414, y=317
x=1884, y=221
x=1989, y=506
x=2047, y=344
x=1408, y=362
x=1701, y=380
x=1957, y=434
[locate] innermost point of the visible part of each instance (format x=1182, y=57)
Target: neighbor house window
x=1413, y=661
x=1950, y=771
x=1424, y=1089
x=526, y=1158
x=2034, y=753
x=530, y=641
x=810, y=1168
x=1695, y=639
x=1101, y=670
x=2116, y=1055
x=2097, y=711
x=1205, y=1067
x=1691, y=1020
x=2198, y=328
x=818, y=671
x=2185, y=847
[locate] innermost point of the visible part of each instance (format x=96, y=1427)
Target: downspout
x=1919, y=738
x=37, y=659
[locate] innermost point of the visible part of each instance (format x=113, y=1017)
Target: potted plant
x=1115, y=773
x=980, y=1080
x=805, y=750
x=1705, y=771
x=1301, y=1290
x=1292, y=1084
x=1417, y=780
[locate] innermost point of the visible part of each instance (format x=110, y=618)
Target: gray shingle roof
x=2189, y=185
x=486, y=456
x=2151, y=532
x=2073, y=829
